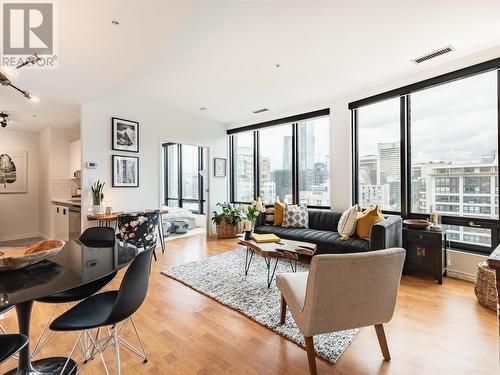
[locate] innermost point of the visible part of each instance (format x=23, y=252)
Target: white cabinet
x=60, y=222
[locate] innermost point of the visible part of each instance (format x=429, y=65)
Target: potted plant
x=227, y=221
x=97, y=197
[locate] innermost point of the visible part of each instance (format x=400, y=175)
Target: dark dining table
x=75, y=265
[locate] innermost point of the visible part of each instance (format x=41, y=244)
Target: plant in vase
x=253, y=211
x=227, y=221
x=97, y=197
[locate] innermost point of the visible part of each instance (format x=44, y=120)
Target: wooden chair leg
x=311, y=356
x=379, y=328
x=283, y=310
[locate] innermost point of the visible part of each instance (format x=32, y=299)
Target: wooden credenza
x=494, y=262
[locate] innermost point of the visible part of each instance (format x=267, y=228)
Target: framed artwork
x=125, y=135
x=219, y=167
x=125, y=171
x=13, y=171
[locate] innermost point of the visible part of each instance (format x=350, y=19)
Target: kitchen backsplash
x=62, y=188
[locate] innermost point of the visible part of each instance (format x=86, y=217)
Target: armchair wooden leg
x=379, y=328
x=283, y=310
x=311, y=356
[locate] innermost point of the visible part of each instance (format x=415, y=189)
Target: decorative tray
x=416, y=223
x=14, y=258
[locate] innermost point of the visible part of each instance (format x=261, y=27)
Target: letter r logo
x=28, y=28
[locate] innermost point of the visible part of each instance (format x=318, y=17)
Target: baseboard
x=19, y=236
x=461, y=275
x=462, y=265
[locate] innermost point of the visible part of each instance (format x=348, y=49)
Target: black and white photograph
x=13, y=171
x=125, y=134
x=125, y=171
x=219, y=167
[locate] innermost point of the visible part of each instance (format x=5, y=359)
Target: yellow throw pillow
x=370, y=216
x=279, y=209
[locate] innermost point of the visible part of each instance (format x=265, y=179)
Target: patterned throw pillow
x=347, y=223
x=269, y=215
x=295, y=217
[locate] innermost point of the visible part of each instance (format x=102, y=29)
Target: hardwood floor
x=437, y=329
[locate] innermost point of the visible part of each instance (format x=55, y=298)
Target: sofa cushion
x=323, y=219
x=327, y=242
x=295, y=217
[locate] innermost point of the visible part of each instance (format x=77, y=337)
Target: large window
x=314, y=161
x=183, y=182
x=244, y=167
x=449, y=129
x=287, y=159
x=379, y=168
x=275, y=164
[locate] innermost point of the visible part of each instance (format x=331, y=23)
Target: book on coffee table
x=265, y=238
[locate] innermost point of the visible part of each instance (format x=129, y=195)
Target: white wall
x=157, y=123
x=75, y=156
x=55, y=171
x=19, y=217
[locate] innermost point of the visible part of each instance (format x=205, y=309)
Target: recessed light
x=260, y=110
x=203, y=109
x=277, y=65
x=115, y=22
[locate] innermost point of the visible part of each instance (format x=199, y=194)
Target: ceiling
x=222, y=55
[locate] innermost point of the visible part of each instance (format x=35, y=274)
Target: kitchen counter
x=67, y=202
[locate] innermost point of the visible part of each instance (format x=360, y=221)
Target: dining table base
x=45, y=366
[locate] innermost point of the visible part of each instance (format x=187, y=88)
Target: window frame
x=292, y=121
x=180, y=200
x=405, y=147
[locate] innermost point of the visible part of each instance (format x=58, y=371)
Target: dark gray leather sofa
x=322, y=231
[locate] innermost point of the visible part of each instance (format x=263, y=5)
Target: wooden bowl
x=14, y=258
x=416, y=223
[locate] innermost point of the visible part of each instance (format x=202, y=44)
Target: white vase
x=97, y=209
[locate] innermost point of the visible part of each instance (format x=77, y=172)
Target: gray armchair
x=343, y=291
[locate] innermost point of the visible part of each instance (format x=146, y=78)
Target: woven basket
x=225, y=230
x=485, y=286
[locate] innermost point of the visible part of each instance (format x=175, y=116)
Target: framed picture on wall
x=13, y=171
x=125, y=171
x=220, y=167
x=125, y=135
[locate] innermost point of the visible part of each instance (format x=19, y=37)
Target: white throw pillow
x=347, y=222
x=295, y=217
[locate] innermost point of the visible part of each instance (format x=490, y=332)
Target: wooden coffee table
x=293, y=251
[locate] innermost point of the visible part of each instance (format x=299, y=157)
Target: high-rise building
x=368, y=170
x=388, y=162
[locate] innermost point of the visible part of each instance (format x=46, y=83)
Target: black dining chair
x=98, y=237
x=139, y=229
x=95, y=237
x=110, y=308
x=10, y=345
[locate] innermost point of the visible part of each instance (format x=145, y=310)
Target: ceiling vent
x=261, y=110
x=433, y=54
